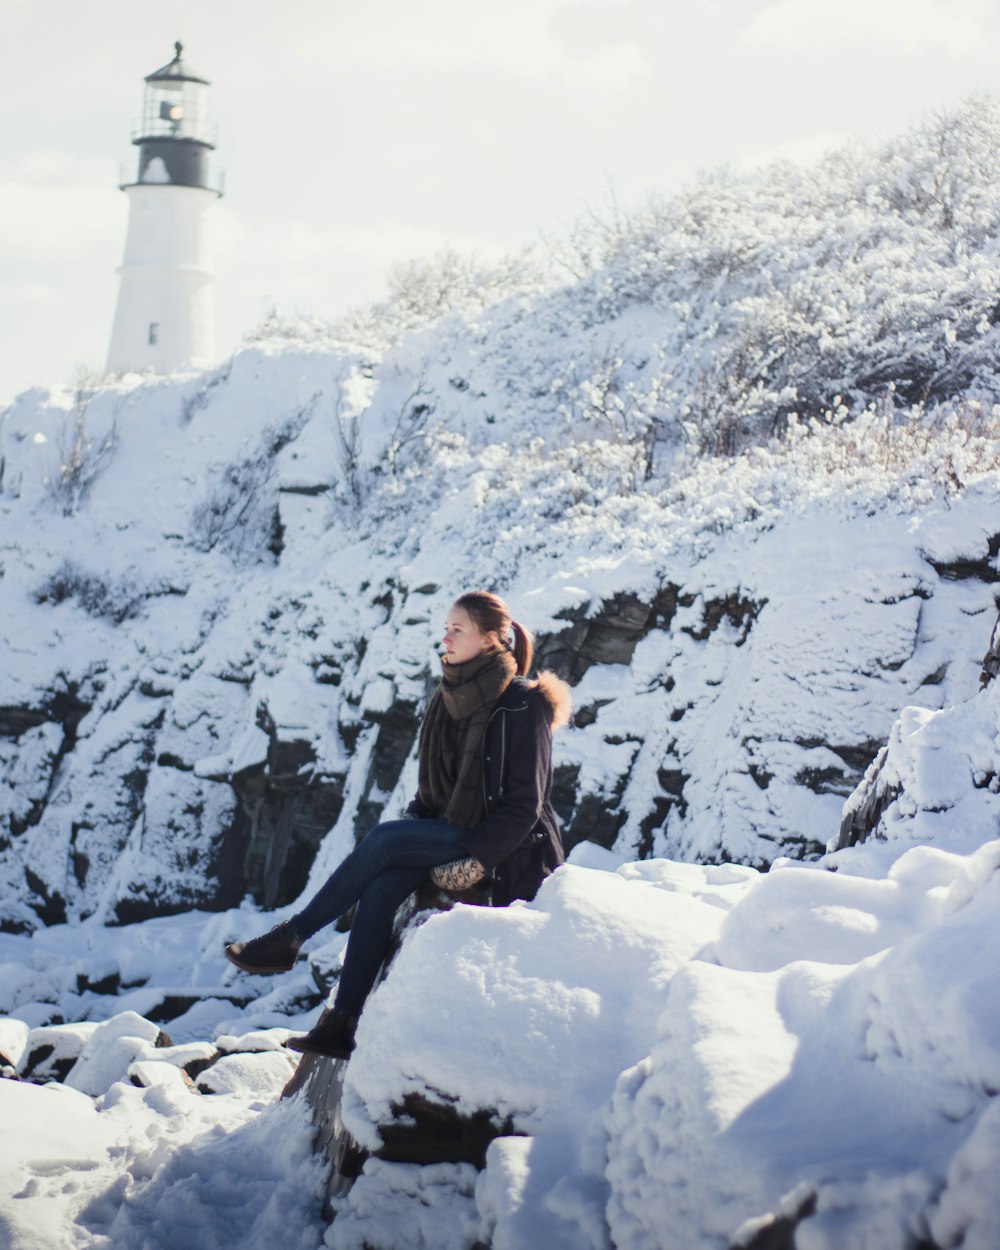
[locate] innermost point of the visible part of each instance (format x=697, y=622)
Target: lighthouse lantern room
x=164, y=319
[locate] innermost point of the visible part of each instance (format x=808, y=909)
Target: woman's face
x=462, y=639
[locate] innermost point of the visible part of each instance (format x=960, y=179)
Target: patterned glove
x=457, y=876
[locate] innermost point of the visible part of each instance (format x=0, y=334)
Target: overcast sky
x=358, y=134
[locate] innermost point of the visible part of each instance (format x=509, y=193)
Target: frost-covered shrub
x=614, y=401
x=98, y=594
x=239, y=512
x=201, y=396
x=423, y=291
x=291, y=329
x=780, y=290
x=83, y=451
x=709, y=317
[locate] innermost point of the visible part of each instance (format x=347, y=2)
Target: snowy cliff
x=220, y=593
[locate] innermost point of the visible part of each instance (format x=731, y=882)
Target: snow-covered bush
x=82, y=452
x=117, y=597
x=421, y=292
x=239, y=513
x=785, y=288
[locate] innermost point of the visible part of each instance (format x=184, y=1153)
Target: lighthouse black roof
x=176, y=71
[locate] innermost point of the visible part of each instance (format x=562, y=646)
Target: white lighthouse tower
x=164, y=318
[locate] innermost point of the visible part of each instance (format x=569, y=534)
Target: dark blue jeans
x=379, y=874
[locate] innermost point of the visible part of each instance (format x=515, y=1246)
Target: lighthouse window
x=154, y=333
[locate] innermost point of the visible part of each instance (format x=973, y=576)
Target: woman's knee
x=387, y=830
x=390, y=887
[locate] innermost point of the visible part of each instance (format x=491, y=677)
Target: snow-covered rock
x=516, y=1005
x=858, y=1076
x=253, y=1041
x=13, y=1040
x=51, y=1051
x=110, y=1050
x=260, y=1075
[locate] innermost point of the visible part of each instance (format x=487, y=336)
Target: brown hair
x=492, y=616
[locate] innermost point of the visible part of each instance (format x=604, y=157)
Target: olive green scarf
x=450, y=782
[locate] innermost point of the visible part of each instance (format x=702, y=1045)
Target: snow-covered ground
x=679, y=1052
x=220, y=591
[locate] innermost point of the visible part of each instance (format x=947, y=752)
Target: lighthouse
x=164, y=318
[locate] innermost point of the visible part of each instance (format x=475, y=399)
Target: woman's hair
x=492, y=616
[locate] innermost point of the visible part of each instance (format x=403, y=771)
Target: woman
x=483, y=806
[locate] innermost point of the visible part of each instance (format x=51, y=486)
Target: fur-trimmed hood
x=557, y=695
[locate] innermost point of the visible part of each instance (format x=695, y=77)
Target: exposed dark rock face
x=282, y=818
x=50, y=906
x=589, y=817
x=991, y=660
x=212, y=831
x=285, y=805
x=286, y=809
x=49, y=733
x=981, y=568
x=864, y=811
x=608, y=637
x=425, y=1131
x=397, y=732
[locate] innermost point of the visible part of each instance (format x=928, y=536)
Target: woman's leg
x=395, y=844
x=371, y=934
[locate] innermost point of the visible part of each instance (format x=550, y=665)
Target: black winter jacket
x=518, y=840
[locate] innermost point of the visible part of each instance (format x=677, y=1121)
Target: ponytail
x=523, y=648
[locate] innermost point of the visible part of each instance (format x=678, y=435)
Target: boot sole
x=235, y=959
x=305, y=1047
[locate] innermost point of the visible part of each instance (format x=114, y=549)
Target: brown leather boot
x=274, y=951
x=333, y=1035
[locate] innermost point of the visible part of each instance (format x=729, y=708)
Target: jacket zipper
x=504, y=732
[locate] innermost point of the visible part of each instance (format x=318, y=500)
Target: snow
x=253, y=1041
x=261, y=1075
x=55, y=1153
x=156, y=1166
x=514, y=1008
x=155, y=595
x=405, y=1207
x=730, y=1092
x=13, y=1039
x=664, y=1045
x=110, y=1050
x=769, y=407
